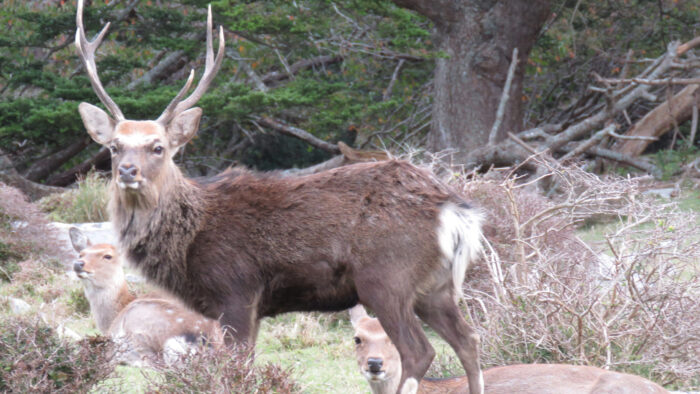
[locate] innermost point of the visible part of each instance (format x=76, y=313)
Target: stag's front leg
x=240, y=320
x=404, y=330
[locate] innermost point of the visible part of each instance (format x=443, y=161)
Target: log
x=659, y=121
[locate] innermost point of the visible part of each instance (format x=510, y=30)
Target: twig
x=523, y=144
x=504, y=98
x=394, y=76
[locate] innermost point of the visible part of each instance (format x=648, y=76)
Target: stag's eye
x=358, y=340
x=108, y=257
x=114, y=150
x=158, y=149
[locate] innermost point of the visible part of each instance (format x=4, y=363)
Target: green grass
x=87, y=203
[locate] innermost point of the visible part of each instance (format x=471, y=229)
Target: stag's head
x=377, y=357
x=142, y=150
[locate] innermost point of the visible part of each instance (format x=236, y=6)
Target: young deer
x=144, y=328
x=380, y=364
x=243, y=245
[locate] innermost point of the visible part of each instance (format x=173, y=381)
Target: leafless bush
x=221, y=370
x=630, y=300
x=33, y=359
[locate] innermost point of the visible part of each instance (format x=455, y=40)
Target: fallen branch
x=101, y=158
x=296, y=132
x=659, y=121
x=301, y=65
x=643, y=81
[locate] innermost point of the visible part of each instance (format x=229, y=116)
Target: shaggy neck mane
x=156, y=226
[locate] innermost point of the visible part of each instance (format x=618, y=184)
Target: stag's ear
x=78, y=239
x=357, y=312
x=183, y=127
x=99, y=125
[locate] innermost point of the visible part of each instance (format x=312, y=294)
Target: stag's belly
x=322, y=286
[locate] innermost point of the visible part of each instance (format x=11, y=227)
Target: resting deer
x=144, y=328
x=380, y=364
x=243, y=245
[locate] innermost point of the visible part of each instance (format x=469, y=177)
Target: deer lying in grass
x=243, y=245
x=380, y=364
x=144, y=328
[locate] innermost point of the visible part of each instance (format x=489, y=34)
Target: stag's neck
x=155, y=234
x=107, y=301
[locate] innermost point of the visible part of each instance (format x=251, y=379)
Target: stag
x=145, y=328
x=242, y=245
x=380, y=364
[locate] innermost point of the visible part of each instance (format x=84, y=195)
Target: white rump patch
x=459, y=236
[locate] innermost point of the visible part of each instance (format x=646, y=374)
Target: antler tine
x=211, y=67
x=86, y=53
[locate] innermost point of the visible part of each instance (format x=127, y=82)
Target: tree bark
x=478, y=38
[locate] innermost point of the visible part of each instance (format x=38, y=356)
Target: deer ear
x=78, y=239
x=99, y=125
x=357, y=312
x=183, y=127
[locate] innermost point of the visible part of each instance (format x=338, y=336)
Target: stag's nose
x=78, y=266
x=127, y=172
x=375, y=364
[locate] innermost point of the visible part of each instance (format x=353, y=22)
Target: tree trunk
x=478, y=38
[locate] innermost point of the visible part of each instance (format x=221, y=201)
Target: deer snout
x=129, y=176
x=128, y=172
x=78, y=267
x=375, y=364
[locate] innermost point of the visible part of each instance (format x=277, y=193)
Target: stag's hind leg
x=440, y=312
x=396, y=315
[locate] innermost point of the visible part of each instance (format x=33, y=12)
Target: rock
x=18, y=307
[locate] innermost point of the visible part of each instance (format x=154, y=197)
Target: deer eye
x=358, y=340
x=108, y=257
x=113, y=149
x=158, y=149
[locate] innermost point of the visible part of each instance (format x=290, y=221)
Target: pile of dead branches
x=598, y=274
x=602, y=127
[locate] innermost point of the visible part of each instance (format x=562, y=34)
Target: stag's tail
x=459, y=236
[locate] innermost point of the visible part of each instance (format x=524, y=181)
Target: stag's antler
x=211, y=67
x=86, y=52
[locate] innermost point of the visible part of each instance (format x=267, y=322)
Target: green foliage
x=671, y=161
x=41, y=81
x=78, y=301
x=87, y=203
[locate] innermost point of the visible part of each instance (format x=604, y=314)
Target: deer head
x=377, y=357
x=142, y=150
x=99, y=264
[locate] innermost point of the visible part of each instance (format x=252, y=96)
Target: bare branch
x=504, y=98
x=394, y=76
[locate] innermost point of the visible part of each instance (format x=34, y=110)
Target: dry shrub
x=33, y=359
x=221, y=370
x=630, y=301
x=24, y=234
